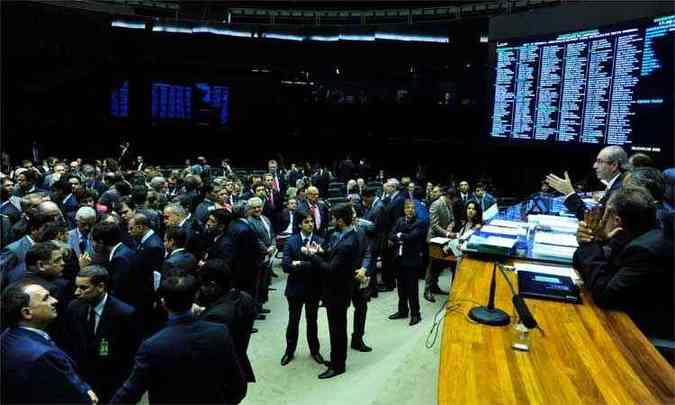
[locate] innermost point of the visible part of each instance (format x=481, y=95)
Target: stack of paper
x=500, y=230
x=542, y=250
x=558, y=239
x=555, y=223
x=508, y=224
x=490, y=244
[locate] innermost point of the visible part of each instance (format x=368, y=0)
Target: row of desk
x=585, y=354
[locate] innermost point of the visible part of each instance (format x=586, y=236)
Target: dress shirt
x=314, y=209
x=112, y=252
x=181, y=223
x=289, y=229
x=174, y=251
x=98, y=310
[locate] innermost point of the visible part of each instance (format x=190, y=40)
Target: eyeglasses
x=603, y=161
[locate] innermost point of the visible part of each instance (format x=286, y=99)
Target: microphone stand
x=488, y=314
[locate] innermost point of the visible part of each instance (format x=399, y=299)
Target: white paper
x=499, y=242
x=500, y=230
x=558, y=239
x=561, y=252
x=508, y=224
x=566, y=271
x=439, y=240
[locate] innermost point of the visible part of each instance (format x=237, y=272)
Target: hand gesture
x=85, y=260
x=93, y=397
x=360, y=274
x=584, y=233
x=563, y=186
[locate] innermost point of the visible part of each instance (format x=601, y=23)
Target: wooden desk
x=586, y=356
x=436, y=253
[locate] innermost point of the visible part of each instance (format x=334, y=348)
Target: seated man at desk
x=632, y=268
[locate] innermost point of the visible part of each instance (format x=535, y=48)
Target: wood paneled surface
x=436, y=253
x=586, y=355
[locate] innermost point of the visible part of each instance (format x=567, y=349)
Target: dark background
x=60, y=64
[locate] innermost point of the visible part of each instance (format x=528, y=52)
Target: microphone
x=524, y=312
x=519, y=304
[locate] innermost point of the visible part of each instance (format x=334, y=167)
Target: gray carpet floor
x=400, y=369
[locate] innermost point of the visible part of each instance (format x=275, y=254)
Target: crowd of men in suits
x=122, y=279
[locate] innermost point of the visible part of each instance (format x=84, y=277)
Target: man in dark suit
x=100, y=333
x=229, y=306
x=407, y=236
x=394, y=207
x=207, y=204
x=34, y=370
x=608, y=166
x=149, y=259
x=216, y=225
x=63, y=195
x=13, y=256
x=338, y=271
x=79, y=238
x=302, y=288
x=10, y=205
x=374, y=212
x=243, y=253
x=263, y=228
x=175, y=240
x=274, y=199
x=317, y=209
x=126, y=284
x=176, y=214
x=631, y=267
x=189, y=361
x=465, y=194
x=286, y=221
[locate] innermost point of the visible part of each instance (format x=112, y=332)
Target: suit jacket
x=106, y=358
x=575, y=204
x=412, y=240
x=181, y=259
x=189, y=361
x=13, y=260
x=244, y=253
x=634, y=276
x=304, y=281
x=395, y=207
x=203, y=209
x=341, y=260
x=12, y=211
x=283, y=220
x=265, y=236
x=74, y=243
x=238, y=311
x=303, y=206
x=126, y=283
x=34, y=370
x=440, y=217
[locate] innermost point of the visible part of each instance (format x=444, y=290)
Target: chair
x=335, y=192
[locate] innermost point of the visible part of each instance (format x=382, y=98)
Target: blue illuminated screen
x=119, y=101
x=606, y=86
x=191, y=102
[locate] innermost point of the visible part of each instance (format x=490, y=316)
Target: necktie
x=305, y=241
x=272, y=198
x=317, y=219
x=92, y=321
